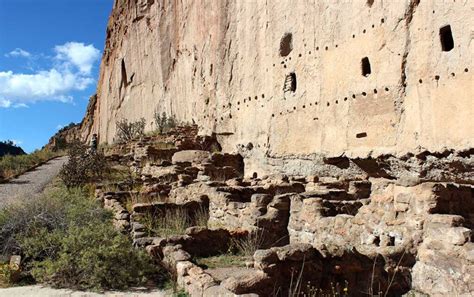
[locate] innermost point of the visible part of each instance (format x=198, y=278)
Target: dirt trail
x=40, y=291
x=31, y=183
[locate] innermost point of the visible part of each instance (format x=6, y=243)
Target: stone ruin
x=339, y=132
x=366, y=232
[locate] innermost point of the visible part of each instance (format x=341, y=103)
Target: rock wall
x=288, y=83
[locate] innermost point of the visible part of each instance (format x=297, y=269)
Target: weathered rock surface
x=199, y=63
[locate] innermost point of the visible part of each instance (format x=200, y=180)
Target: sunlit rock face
x=289, y=83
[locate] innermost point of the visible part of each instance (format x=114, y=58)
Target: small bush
x=163, y=122
x=67, y=240
x=83, y=166
x=94, y=256
x=127, y=131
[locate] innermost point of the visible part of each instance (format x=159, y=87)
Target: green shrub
x=163, y=122
x=94, y=256
x=127, y=131
x=67, y=240
x=83, y=166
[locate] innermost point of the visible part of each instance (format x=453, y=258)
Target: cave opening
x=365, y=64
x=286, y=44
x=446, y=38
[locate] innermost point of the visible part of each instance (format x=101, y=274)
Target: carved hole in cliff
x=361, y=135
x=446, y=38
x=370, y=2
x=437, y=77
x=375, y=91
x=382, y=21
x=453, y=74
x=376, y=241
x=286, y=44
x=391, y=241
x=466, y=70
x=290, y=83
x=366, y=70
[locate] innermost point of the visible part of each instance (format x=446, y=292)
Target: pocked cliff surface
x=288, y=84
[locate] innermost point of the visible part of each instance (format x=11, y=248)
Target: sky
x=50, y=54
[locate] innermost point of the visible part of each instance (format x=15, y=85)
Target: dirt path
x=40, y=291
x=31, y=183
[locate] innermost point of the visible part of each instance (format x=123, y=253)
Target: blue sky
x=49, y=65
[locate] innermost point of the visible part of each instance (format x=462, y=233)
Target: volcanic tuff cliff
x=291, y=84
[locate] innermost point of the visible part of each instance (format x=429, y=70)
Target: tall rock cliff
x=288, y=83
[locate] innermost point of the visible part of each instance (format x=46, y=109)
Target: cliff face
x=288, y=83
x=64, y=137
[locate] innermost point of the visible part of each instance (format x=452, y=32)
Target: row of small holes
x=436, y=77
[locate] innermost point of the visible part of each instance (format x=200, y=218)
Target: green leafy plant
x=163, y=122
x=67, y=240
x=83, y=166
x=127, y=131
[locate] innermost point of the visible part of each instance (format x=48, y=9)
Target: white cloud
x=59, y=127
x=70, y=72
x=5, y=103
x=18, y=52
x=17, y=142
x=80, y=55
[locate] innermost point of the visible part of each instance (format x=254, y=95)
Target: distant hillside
x=64, y=137
x=9, y=148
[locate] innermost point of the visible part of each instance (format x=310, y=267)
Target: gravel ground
x=31, y=183
x=40, y=291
